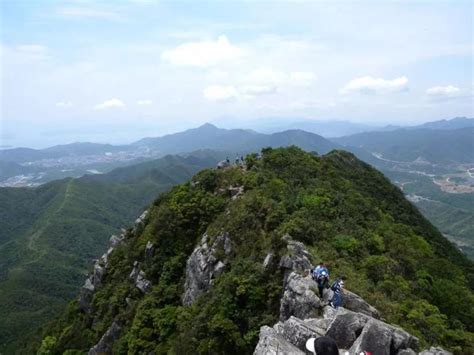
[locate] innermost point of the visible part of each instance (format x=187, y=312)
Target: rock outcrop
x=104, y=346
x=149, y=250
x=235, y=191
x=204, y=265
x=138, y=277
x=94, y=280
x=303, y=315
x=272, y=343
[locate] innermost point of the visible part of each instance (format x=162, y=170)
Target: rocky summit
x=221, y=265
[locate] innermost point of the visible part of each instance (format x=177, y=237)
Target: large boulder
x=297, y=331
x=355, y=303
x=272, y=343
x=299, y=297
x=381, y=338
x=104, y=346
x=346, y=327
x=203, y=266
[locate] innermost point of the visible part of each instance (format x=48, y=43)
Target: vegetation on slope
x=49, y=235
x=345, y=211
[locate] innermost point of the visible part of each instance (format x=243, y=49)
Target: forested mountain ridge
x=344, y=211
x=454, y=146
x=50, y=234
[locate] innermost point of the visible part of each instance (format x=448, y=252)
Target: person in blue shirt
x=318, y=269
x=338, y=289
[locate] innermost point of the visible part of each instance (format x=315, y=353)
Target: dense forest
x=346, y=212
x=49, y=235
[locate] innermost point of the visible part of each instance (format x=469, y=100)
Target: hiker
x=237, y=160
x=338, y=288
x=322, y=281
x=227, y=160
x=322, y=346
x=317, y=270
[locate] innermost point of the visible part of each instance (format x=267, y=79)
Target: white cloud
x=220, y=92
x=443, y=91
x=302, y=78
x=144, y=102
x=64, y=104
x=266, y=76
x=112, y=103
x=32, y=48
x=371, y=85
x=32, y=51
x=83, y=12
x=257, y=90
x=204, y=53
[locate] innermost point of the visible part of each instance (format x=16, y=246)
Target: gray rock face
x=297, y=331
x=272, y=343
x=149, y=250
x=104, y=346
x=268, y=260
x=299, y=298
x=203, y=266
x=435, y=351
x=236, y=191
x=138, y=277
x=355, y=303
x=94, y=281
x=300, y=291
x=302, y=316
x=346, y=327
x=381, y=338
x=116, y=240
x=142, y=218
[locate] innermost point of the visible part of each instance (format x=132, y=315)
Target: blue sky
x=115, y=71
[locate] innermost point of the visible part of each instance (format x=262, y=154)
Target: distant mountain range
x=444, y=146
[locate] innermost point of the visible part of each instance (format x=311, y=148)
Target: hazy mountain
x=50, y=234
x=454, y=123
x=435, y=146
x=22, y=155
x=220, y=257
x=209, y=136
x=325, y=128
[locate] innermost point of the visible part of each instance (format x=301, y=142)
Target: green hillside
x=346, y=213
x=49, y=235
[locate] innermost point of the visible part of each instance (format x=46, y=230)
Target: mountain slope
x=209, y=136
x=454, y=123
x=204, y=270
x=435, y=146
x=48, y=235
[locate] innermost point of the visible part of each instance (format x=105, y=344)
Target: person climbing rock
x=323, y=282
x=317, y=270
x=322, y=346
x=338, y=288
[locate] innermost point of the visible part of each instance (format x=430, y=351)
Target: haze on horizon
x=119, y=71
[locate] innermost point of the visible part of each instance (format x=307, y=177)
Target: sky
x=117, y=71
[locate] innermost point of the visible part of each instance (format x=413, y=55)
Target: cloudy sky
x=115, y=71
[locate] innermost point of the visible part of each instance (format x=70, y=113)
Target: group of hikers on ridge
x=320, y=274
